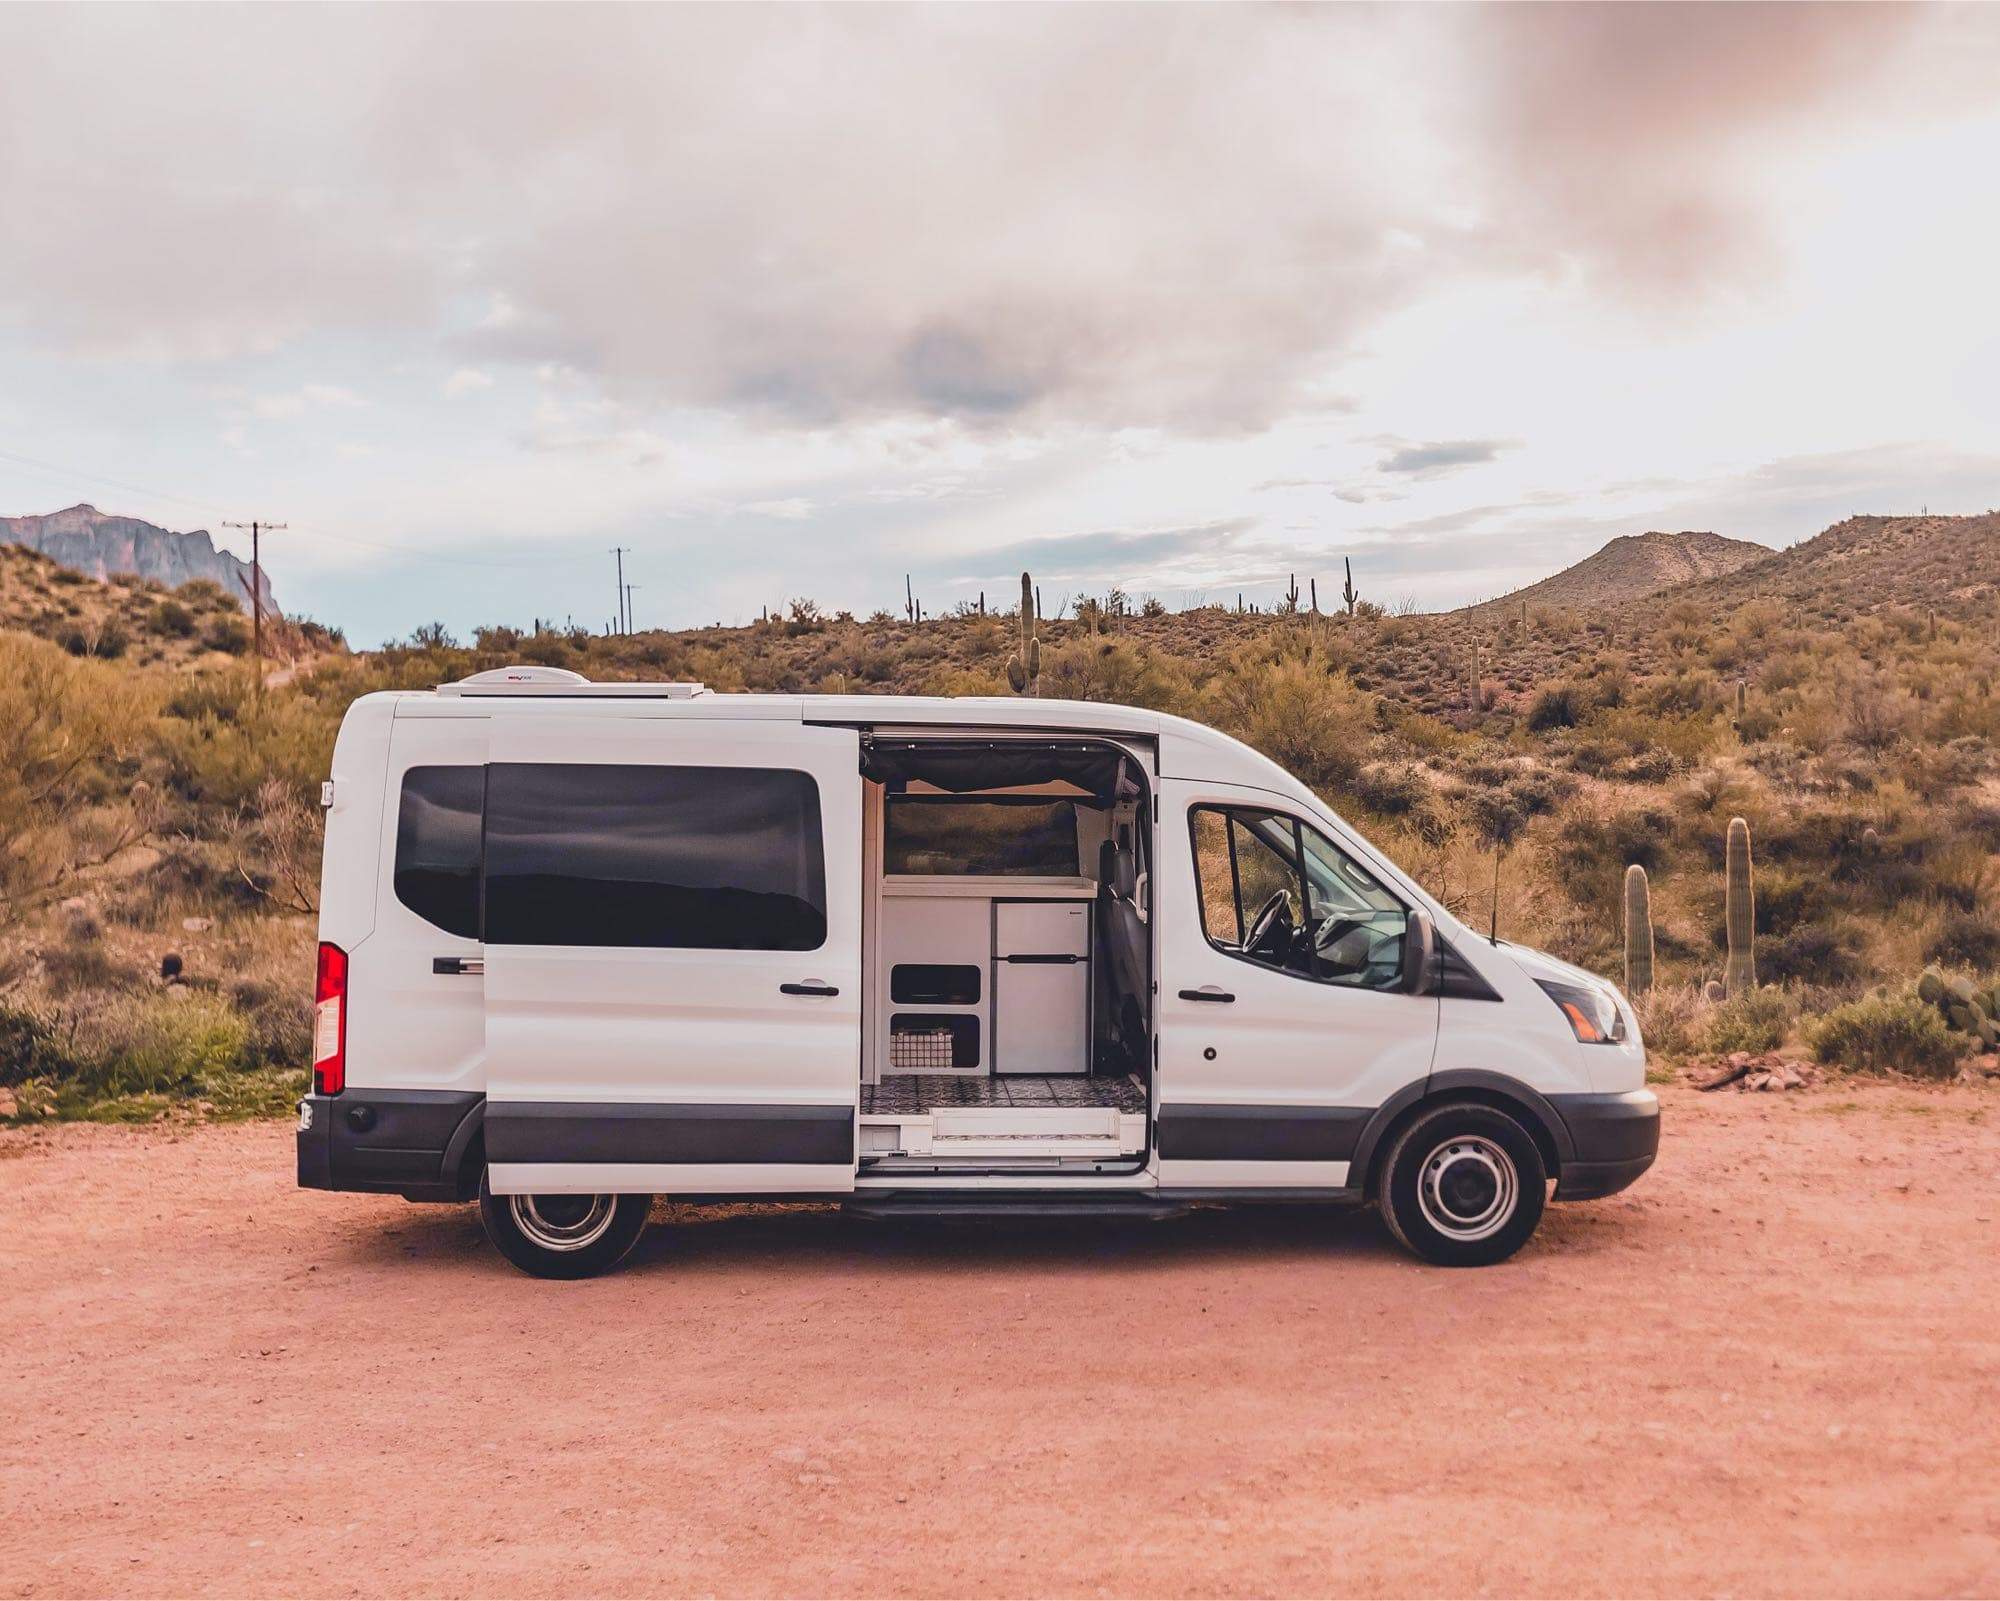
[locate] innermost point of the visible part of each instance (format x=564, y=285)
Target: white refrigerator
x=1041, y=987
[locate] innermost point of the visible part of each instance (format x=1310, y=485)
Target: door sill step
x=982, y=1208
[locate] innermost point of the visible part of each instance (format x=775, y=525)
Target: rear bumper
x=1615, y=1139
x=423, y=1145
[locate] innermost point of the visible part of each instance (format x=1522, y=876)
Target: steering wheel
x=1265, y=923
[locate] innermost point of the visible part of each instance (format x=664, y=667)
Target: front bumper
x=1615, y=1138
x=423, y=1145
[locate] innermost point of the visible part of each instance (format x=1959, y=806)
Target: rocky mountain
x=1631, y=567
x=89, y=541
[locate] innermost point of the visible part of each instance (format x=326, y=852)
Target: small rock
x=197, y=925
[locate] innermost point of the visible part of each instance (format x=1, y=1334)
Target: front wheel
x=1463, y=1186
x=563, y=1236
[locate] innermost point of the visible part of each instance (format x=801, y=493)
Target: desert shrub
x=29, y=1047
x=1828, y=953
x=152, y=1043
x=1965, y=939
x=174, y=620
x=1112, y=670
x=1888, y=1033
x=71, y=965
x=1757, y=1021
x=280, y=1019
x=227, y=634
x=1670, y=1016
x=1558, y=706
x=70, y=736
x=1310, y=722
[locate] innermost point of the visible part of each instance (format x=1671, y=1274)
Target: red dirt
x=1770, y=1369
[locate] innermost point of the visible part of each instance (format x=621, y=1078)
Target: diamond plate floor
x=907, y=1094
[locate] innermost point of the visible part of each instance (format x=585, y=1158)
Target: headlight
x=1594, y=1017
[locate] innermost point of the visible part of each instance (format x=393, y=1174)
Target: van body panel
x=692, y=1064
x=348, y=891
x=410, y=1026
x=1273, y=1086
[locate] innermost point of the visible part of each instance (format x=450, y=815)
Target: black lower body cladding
x=1615, y=1137
x=647, y=1133
x=390, y=1142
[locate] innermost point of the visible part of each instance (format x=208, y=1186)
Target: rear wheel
x=1463, y=1185
x=563, y=1236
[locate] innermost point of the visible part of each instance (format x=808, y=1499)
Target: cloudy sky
x=793, y=301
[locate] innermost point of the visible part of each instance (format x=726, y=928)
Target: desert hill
x=1946, y=564
x=1632, y=567
x=143, y=621
x=95, y=543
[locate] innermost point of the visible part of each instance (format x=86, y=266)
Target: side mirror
x=1419, y=953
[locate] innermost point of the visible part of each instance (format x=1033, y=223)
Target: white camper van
x=585, y=944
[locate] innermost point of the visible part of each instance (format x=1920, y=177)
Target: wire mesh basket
x=921, y=1051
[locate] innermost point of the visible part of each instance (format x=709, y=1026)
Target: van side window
x=437, y=846
x=1276, y=891
x=687, y=858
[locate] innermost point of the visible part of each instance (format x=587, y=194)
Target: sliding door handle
x=811, y=986
x=455, y=965
x=1208, y=992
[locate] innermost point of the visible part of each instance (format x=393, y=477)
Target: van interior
x=1007, y=1022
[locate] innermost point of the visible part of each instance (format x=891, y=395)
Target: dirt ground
x=1772, y=1368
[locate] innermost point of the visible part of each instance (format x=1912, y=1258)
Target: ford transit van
x=582, y=945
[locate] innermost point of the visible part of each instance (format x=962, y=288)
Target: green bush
x=149, y=1044
x=229, y=635
x=1883, y=1033
x=1758, y=1021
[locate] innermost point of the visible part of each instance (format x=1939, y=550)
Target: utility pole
x=257, y=527
x=628, y=605
x=620, y=551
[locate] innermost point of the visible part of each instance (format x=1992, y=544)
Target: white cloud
x=795, y=509
x=467, y=381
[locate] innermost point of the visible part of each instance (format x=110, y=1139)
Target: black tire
x=526, y=1228
x=1463, y=1185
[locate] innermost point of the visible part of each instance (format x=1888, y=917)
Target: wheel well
x=470, y=1166
x=1545, y=1141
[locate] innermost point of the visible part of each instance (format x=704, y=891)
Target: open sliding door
x=672, y=915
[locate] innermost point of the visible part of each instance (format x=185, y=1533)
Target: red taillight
x=330, y=1021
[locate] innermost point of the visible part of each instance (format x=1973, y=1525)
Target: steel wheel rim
x=557, y=1233
x=1468, y=1188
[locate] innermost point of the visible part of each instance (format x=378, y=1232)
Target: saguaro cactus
x=1638, y=931
x=1524, y=622
x=1474, y=698
x=1739, y=909
x=1024, y=667
x=1348, y=592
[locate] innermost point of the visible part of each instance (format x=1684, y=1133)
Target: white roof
x=1186, y=748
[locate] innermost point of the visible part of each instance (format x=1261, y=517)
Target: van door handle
x=473, y=965
x=1208, y=992
x=812, y=986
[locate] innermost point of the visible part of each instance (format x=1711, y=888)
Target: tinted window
x=1034, y=838
x=700, y=858
x=437, y=846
